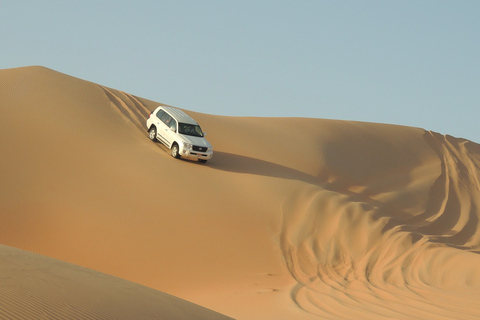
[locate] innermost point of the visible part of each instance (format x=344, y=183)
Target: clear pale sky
x=414, y=63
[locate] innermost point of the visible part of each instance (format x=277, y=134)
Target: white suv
x=180, y=133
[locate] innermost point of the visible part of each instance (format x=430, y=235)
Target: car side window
x=160, y=113
x=173, y=125
x=166, y=119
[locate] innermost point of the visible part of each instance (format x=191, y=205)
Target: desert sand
x=293, y=218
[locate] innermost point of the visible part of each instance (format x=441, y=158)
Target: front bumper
x=189, y=153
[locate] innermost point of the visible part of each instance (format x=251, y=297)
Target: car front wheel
x=175, y=151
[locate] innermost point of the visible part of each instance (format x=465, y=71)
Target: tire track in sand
x=132, y=109
x=352, y=258
x=129, y=107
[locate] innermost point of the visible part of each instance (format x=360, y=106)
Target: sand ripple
x=353, y=256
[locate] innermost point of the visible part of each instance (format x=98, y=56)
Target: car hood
x=197, y=141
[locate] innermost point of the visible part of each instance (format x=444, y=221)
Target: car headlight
x=209, y=149
x=187, y=145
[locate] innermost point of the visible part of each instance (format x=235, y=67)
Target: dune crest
x=292, y=219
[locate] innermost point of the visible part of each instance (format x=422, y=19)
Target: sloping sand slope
x=291, y=219
x=37, y=287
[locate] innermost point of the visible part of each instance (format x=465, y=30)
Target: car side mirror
x=204, y=134
x=173, y=129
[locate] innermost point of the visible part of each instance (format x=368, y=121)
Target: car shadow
x=241, y=164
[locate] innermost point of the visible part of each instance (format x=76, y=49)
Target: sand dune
x=292, y=219
x=37, y=287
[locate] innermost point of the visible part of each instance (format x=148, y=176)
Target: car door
x=171, y=132
x=167, y=128
x=160, y=125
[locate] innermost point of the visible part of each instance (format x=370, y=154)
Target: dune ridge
x=292, y=219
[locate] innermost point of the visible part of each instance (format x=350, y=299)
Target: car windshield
x=190, y=129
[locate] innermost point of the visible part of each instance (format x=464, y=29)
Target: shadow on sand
x=241, y=164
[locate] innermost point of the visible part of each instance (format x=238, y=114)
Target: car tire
x=152, y=133
x=202, y=160
x=175, y=151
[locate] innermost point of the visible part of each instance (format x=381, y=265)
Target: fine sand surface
x=37, y=287
x=292, y=219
